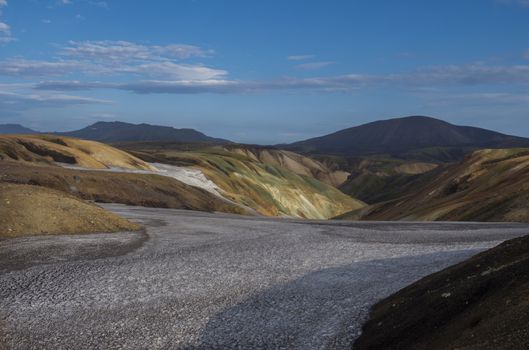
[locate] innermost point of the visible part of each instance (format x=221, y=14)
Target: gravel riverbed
x=196, y=280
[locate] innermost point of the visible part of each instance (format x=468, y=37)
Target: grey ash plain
x=214, y=281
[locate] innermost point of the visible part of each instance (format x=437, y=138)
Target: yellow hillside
x=83, y=153
x=29, y=210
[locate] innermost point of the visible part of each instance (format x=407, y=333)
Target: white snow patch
x=189, y=176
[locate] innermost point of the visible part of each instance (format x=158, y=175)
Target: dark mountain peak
x=410, y=121
x=418, y=118
x=398, y=135
x=15, y=129
x=112, y=124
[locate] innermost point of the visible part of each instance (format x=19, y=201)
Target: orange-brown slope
x=489, y=185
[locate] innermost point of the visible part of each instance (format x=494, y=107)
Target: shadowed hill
x=8, y=129
x=376, y=179
x=414, y=137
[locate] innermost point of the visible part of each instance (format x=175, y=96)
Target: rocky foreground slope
x=480, y=304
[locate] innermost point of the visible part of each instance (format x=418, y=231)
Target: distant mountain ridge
x=10, y=129
x=402, y=135
x=123, y=132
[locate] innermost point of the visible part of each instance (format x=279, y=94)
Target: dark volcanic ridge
x=121, y=132
x=401, y=135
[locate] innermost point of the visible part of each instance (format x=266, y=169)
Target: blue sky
x=264, y=71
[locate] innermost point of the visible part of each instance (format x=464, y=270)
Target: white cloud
x=4, y=28
x=443, y=76
x=181, y=87
x=170, y=70
x=106, y=50
x=70, y=85
x=31, y=68
x=118, y=58
x=299, y=57
x=471, y=74
x=314, y=65
x=5, y=33
x=182, y=51
x=486, y=97
x=11, y=101
x=46, y=21
x=526, y=55
x=514, y=2
x=161, y=69
x=125, y=50
x=102, y=4
x=103, y=115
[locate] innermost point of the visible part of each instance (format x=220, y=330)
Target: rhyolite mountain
x=123, y=132
x=404, y=136
x=10, y=129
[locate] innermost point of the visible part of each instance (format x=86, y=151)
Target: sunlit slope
x=296, y=163
x=27, y=210
x=489, y=185
x=271, y=182
x=83, y=153
x=263, y=185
